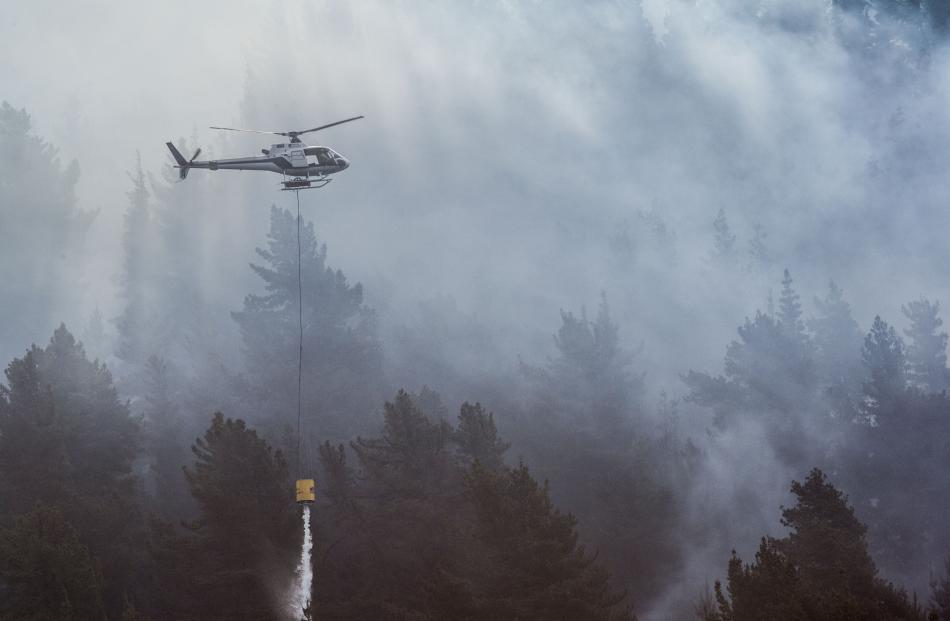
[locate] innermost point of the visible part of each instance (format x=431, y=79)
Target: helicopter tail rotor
x=182, y=165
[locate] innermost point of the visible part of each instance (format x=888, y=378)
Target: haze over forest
x=602, y=281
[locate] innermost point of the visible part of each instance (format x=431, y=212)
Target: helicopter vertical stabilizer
x=183, y=165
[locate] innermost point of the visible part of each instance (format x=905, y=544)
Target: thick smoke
x=517, y=159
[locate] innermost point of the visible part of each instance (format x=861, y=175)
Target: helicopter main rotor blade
x=307, y=131
x=252, y=131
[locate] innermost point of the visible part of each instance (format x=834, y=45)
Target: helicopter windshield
x=323, y=156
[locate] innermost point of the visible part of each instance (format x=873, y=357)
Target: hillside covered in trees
x=621, y=312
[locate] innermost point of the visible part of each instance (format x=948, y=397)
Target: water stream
x=300, y=596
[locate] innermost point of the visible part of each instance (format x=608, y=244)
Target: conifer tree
x=477, y=437
x=136, y=324
x=724, y=242
x=586, y=414
x=538, y=569
x=245, y=537
x=41, y=235
x=821, y=570
x=759, y=255
x=927, y=347
x=838, y=342
x=884, y=359
x=68, y=441
x=342, y=364
x=790, y=311
x=46, y=571
x=590, y=383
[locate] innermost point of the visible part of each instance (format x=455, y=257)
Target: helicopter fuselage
x=290, y=159
x=294, y=159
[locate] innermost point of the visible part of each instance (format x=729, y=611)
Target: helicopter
x=307, y=166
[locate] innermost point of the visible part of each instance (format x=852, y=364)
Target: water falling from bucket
x=300, y=598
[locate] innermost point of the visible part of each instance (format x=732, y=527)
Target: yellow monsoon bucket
x=305, y=490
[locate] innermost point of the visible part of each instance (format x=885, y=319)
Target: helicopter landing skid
x=302, y=183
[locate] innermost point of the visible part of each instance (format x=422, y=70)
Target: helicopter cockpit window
x=324, y=158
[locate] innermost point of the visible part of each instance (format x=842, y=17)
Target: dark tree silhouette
x=46, y=571
x=245, y=538
x=342, y=363
x=821, y=570
x=927, y=345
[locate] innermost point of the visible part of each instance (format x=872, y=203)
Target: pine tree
x=538, y=569
x=759, y=255
x=884, y=359
x=41, y=235
x=477, y=437
x=397, y=526
x=47, y=572
x=136, y=324
x=821, y=570
x=766, y=371
x=769, y=372
x=837, y=338
x=927, y=348
x=790, y=312
x=185, y=315
x=590, y=382
x=245, y=535
x=342, y=364
x=68, y=441
x=587, y=433
x=724, y=242
x=837, y=346
x=411, y=453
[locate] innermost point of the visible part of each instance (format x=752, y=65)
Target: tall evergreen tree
x=838, y=342
x=790, y=311
x=584, y=430
x=724, y=241
x=538, y=571
x=136, y=324
x=760, y=257
x=41, y=234
x=67, y=441
x=820, y=571
x=769, y=373
x=886, y=364
x=590, y=382
x=837, y=346
x=927, y=346
x=245, y=538
x=342, y=364
x=477, y=437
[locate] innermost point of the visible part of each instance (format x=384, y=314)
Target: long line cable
x=300, y=335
